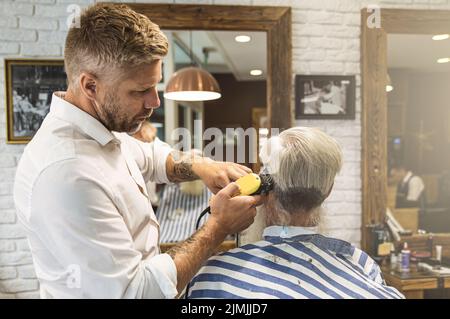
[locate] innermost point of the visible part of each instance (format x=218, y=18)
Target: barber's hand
x=233, y=213
x=217, y=175
x=147, y=133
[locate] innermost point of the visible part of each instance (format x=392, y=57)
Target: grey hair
x=308, y=163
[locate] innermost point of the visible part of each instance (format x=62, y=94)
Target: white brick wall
x=325, y=41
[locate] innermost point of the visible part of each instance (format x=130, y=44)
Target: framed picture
x=324, y=97
x=30, y=84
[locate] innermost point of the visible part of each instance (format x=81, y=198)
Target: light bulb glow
x=192, y=95
x=440, y=37
x=242, y=38
x=443, y=60
x=256, y=72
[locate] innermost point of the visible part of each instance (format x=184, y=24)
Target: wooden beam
x=211, y=17
x=279, y=83
x=415, y=21
x=374, y=126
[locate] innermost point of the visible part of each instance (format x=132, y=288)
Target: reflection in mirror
x=243, y=98
x=419, y=132
x=233, y=64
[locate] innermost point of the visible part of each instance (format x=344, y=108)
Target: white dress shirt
x=80, y=193
x=415, y=187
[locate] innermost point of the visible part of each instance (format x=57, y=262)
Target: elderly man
x=80, y=185
x=294, y=260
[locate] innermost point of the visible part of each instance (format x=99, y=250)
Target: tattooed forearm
x=179, y=169
x=183, y=172
x=190, y=255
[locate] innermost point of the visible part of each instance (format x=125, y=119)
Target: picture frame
x=29, y=86
x=325, y=97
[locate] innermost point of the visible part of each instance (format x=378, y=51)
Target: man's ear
x=88, y=85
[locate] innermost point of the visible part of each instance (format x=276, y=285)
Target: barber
x=410, y=187
x=80, y=184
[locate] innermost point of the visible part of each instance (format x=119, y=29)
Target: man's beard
x=113, y=119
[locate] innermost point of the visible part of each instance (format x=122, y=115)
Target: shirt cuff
x=165, y=273
x=162, y=151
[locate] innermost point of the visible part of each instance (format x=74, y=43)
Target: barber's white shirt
x=415, y=187
x=80, y=193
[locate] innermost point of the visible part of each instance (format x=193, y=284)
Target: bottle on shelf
x=405, y=258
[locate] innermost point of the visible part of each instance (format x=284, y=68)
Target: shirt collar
x=408, y=176
x=288, y=231
x=68, y=112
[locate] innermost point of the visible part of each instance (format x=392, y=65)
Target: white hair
x=304, y=165
x=310, y=159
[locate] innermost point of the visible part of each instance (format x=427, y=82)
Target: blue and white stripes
x=305, y=266
x=178, y=213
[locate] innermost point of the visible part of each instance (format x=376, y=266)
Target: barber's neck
x=79, y=100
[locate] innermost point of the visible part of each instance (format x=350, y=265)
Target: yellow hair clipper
x=254, y=184
x=251, y=184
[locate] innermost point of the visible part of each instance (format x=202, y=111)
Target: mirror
x=230, y=63
x=418, y=156
x=385, y=142
x=274, y=22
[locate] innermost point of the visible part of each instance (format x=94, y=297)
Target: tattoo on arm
x=191, y=254
x=181, y=168
x=183, y=172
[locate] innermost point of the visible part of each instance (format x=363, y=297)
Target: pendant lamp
x=192, y=84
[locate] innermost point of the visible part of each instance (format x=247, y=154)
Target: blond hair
x=111, y=38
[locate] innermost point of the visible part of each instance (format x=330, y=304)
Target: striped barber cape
x=178, y=212
x=292, y=263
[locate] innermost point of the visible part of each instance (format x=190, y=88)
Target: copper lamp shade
x=192, y=84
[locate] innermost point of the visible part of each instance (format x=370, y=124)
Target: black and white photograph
x=324, y=97
x=29, y=87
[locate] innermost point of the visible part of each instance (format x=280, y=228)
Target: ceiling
x=405, y=51
x=417, y=53
x=225, y=54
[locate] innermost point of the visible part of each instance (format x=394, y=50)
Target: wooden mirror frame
x=374, y=100
x=276, y=21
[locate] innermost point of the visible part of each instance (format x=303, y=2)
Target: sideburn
x=110, y=113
